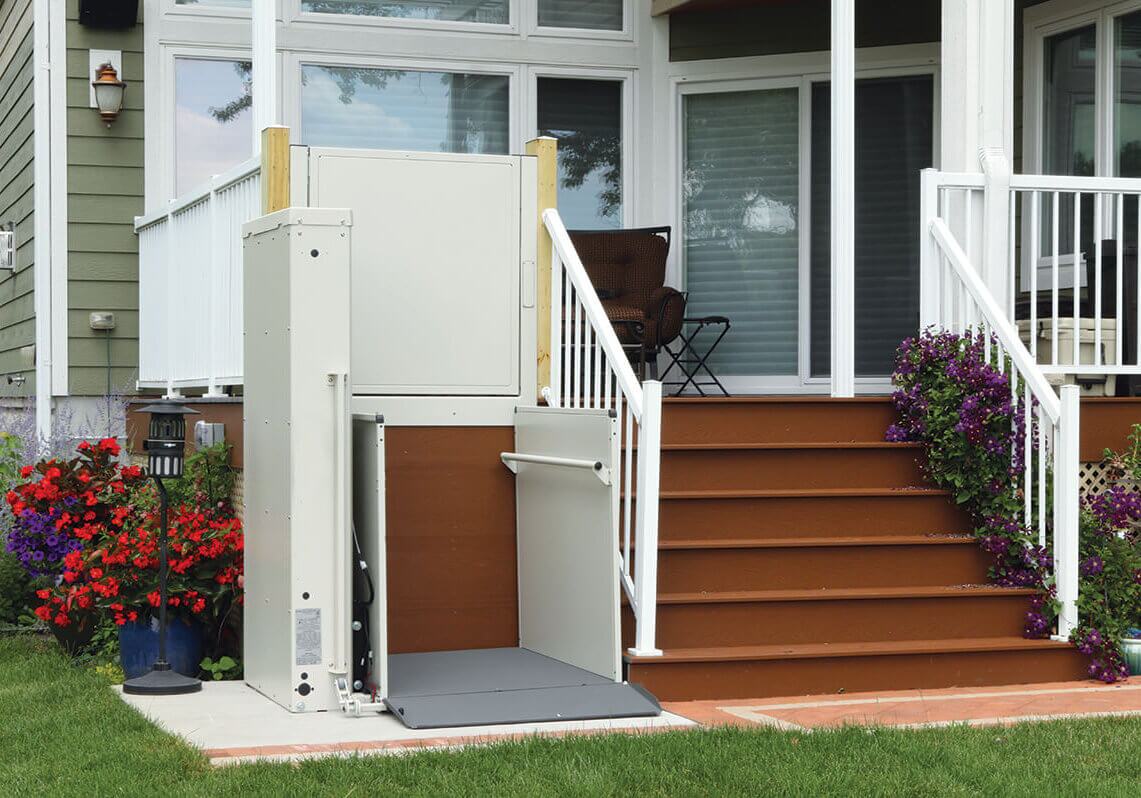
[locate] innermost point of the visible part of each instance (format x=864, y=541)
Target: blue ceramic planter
x=138, y=646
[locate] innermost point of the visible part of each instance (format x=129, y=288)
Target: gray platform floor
x=504, y=686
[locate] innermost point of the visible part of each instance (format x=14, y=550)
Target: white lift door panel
x=568, y=539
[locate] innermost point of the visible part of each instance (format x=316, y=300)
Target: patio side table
x=691, y=356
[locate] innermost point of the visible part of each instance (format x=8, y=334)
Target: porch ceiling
x=660, y=7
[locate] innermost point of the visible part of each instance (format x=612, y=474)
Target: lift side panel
x=369, y=519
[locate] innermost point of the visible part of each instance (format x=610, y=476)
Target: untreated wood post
x=274, y=169
x=545, y=149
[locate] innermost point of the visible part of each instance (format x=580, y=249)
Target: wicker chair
x=628, y=270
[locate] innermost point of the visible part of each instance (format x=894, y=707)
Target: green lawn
x=64, y=732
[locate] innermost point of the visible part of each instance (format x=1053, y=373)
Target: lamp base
x=161, y=680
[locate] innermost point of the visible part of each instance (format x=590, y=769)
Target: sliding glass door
x=757, y=234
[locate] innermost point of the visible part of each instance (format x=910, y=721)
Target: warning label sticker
x=307, y=624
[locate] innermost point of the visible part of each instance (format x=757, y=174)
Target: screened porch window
x=586, y=118
x=492, y=12
x=397, y=109
x=581, y=14
x=214, y=3
x=213, y=127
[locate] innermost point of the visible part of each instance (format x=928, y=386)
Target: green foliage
x=207, y=481
x=224, y=668
x=14, y=583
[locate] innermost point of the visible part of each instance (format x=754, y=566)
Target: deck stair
x=802, y=554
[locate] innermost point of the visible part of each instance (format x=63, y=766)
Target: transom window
x=492, y=12
x=213, y=127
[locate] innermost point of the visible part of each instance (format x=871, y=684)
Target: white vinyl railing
x=955, y=298
x=190, y=284
x=590, y=369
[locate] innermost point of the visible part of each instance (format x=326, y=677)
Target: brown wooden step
x=696, y=565
x=776, y=419
x=791, y=465
x=790, y=670
x=847, y=615
x=719, y=514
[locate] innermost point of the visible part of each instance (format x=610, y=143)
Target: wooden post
x=545, y=149
x=274, y=169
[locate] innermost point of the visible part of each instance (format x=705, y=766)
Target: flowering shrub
x=960, y=407
x=118, y=572
x=65, y=503
x=1109, y=603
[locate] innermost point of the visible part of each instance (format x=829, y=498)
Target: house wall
x=17, y=311
x=105, y=193
x=793, y=26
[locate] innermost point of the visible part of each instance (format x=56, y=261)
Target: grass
x=64, y=732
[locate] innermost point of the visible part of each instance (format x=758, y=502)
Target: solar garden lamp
x=166, y=455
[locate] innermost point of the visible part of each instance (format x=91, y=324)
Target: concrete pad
x=231, y=722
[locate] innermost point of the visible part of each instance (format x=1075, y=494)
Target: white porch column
x=266, y=113
x=843, y=197
x=977, y=124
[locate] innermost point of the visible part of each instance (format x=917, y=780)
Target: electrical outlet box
x=101, y=320
x=208, y=433
x=7, y=248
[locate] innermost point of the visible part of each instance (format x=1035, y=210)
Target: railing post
x=274, y=169
x=217, y=246
x=928, y=249
x=1067, y=509
x=996, y=263
x=646, y=521
x=545, y=150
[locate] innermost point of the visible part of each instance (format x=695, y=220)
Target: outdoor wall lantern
x=108, y=92
x=166, y=454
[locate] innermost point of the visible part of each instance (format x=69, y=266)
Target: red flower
x=27, y=471
x=44, y=613
x=60, y=619
x=109, y=445
x=96, y=573
x=43, y=594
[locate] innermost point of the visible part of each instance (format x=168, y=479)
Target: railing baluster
x=628, y=479
x=1118, y=314
x=1054, y=297
x=1041, y=428
x=1099, y=210
x=1077, y=291
x=1035, y=243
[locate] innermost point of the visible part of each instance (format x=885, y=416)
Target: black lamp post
x=166, y=451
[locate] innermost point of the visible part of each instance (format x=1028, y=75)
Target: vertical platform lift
x=315, y=619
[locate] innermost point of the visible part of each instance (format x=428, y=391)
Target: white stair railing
x=590, y=369
x=955, y=298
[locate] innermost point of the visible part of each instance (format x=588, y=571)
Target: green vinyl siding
x=17, y=198
x=804, y=26
x=105, y=193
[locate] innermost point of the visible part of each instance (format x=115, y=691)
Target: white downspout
x=42, y=193
x=843, y=198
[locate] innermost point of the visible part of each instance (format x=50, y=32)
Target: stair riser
x=842, y=621
x=689, y=571
x=786, y=517
x=792, y=422
x=761, y=679
x=791, y=469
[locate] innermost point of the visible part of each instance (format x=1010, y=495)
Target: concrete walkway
x=232, y=723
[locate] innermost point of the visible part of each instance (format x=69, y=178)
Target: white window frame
x=1050, y=19
x=629, y=8
x=294, y=15
x=1041, y=23
x=798, y=70
x=630, y=127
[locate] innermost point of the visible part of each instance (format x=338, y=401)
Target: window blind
x=741, y=205
x=894, y=141
x=404, y=110
x=582, y=14
x=586, y=118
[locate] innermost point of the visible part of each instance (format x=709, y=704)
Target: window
x=343, y=106
x=741, y=211
x=586, y=117
x=1068, y=146
x=581, y=14
x=492, y=12
x=1127, y=82
x=213, y=123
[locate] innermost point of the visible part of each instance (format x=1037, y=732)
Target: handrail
x=999, y=324
x=596, y=314
x=591, y=369
x=510, y=459
x=1102, y=185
